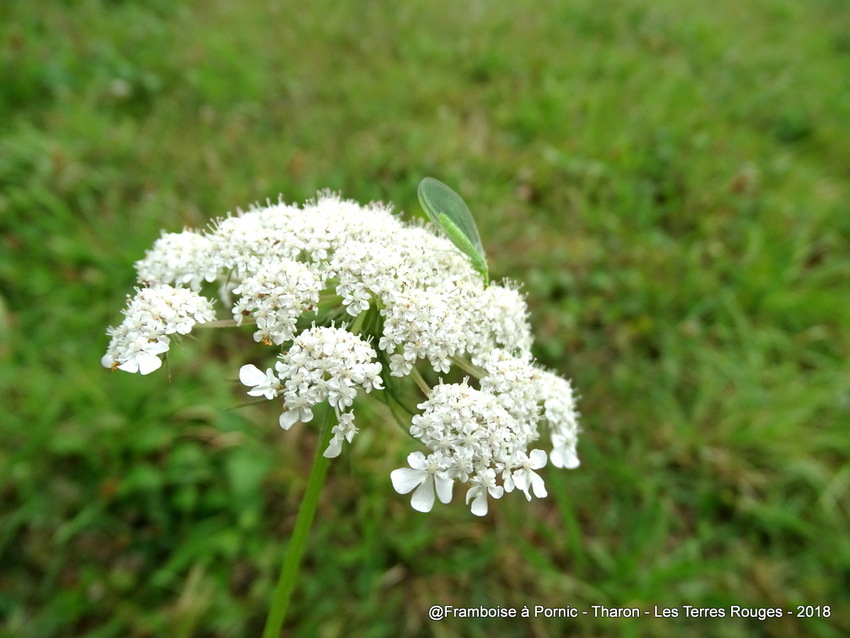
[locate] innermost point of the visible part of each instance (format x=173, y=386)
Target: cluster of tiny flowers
x=479, y=436
x=472, y=439
x=323, y=364
x=152, y=315
x=277, y=266
x=276, y=296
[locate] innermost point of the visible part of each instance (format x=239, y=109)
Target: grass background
x=668, y=179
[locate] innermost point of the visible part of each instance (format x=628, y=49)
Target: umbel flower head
x=357, y=300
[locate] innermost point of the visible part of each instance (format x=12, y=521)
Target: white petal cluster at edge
x=481, y=438
x=150, y=316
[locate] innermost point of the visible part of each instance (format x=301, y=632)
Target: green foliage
x=668, y=179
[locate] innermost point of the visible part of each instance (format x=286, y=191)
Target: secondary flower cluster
x=292, y=271
x=477, y=436
x=323, y=364
x=149, y=317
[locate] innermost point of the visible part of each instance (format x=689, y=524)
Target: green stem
x=226, y=323
x=417, y=377
x=357, y=325
x=298, y=541
x=464, y=364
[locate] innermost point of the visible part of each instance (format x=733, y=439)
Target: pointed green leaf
x=447, y=210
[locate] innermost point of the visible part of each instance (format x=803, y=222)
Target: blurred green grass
x=670, y=182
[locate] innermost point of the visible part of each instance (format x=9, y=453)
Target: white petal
x=538, y=486
x=423, y=497
x=404, y=479
x=334, y=448
x=148, y=363
x=416, y=460
x=518, y=479
x=538, y=459
x=251, y=375
x=288, y=419
x=564, y=457
x=157, y=347
x=444, y=488
x=131, y=365
x=479, y=504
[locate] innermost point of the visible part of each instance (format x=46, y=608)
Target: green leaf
x=447, y=210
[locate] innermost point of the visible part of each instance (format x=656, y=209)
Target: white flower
x=501, y=320
x=265, y=383
x=343, y=431
x=355, y=296
x=525, y=478
x=484, y=483
x=476, y=440
x=564, y=451
x=139, y=355
x=425, y=323
x=297, y=409
x=427, y=476
x=341, y=392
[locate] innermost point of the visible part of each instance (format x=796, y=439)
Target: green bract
x=447, y=210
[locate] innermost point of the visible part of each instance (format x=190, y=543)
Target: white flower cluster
x=479, y=436
x=323, y=364
x=277, y=295
x=522, y=388
x=149, y=317
x=285, y=269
